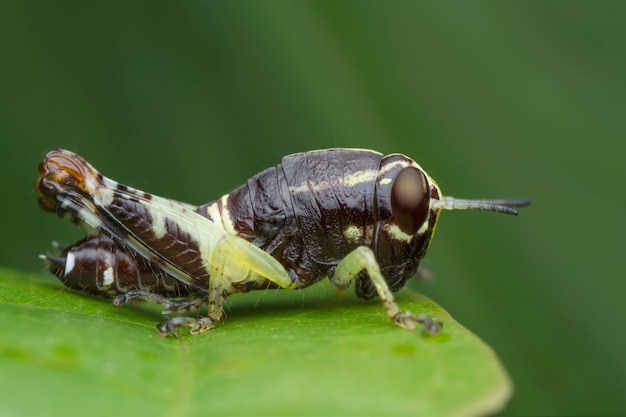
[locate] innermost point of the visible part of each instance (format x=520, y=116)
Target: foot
x=410, y=321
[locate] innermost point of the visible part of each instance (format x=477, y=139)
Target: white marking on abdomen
x=70, y=261
x=108, y=277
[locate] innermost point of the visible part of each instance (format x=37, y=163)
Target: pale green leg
x=234, y=259
x=363, y=258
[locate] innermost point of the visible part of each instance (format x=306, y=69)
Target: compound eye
x=410, y=200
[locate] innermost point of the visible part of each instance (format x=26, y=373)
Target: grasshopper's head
x=408, y=204
x=410, y=201
x=416, y=202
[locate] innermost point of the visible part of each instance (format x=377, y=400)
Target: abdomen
x=97, y=265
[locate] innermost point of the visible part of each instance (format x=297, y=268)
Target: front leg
x=363, y=258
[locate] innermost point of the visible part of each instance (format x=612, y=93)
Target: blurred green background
x=494, y=99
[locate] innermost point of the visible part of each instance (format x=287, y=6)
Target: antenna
x=499, y=206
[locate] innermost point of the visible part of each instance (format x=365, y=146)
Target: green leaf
x=279, y=353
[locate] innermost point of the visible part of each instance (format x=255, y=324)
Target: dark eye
x=409, y=200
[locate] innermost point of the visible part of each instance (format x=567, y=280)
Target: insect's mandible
x=346, y=214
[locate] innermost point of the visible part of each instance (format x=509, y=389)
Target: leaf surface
x=279, y=353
